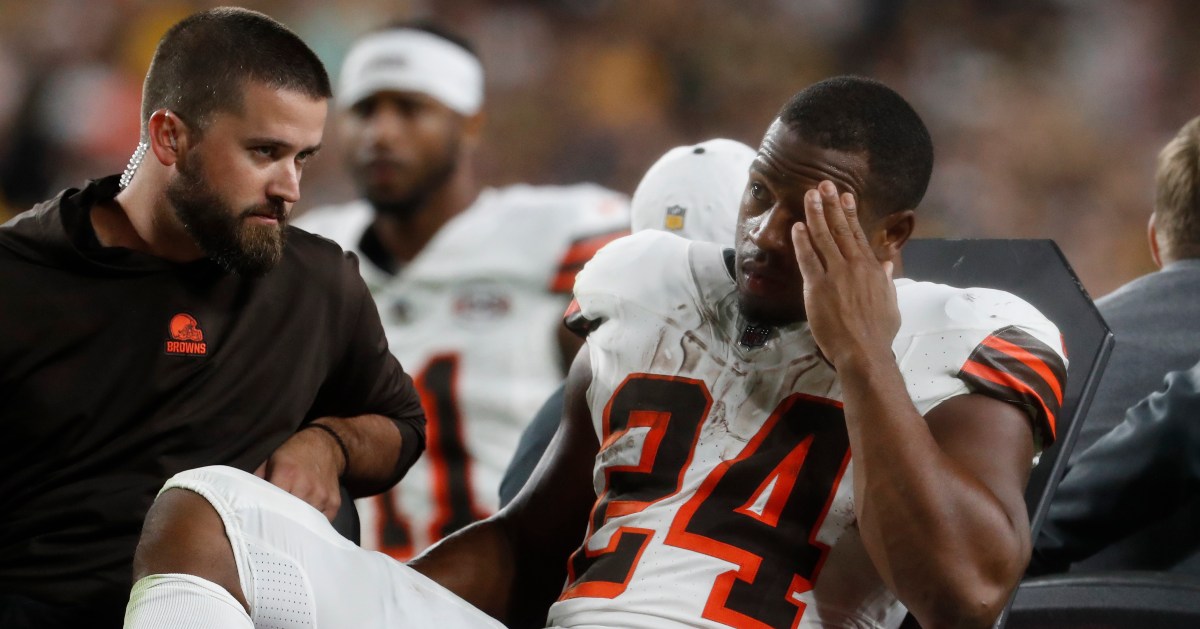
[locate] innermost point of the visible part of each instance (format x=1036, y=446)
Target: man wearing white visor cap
x=471, y=283
x=412, y=60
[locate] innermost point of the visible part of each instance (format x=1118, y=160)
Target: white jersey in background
x=725, y=477
x=473, y=320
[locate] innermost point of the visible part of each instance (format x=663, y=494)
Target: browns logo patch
x=187, y=339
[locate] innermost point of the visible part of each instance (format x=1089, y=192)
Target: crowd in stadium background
x=1046, y=114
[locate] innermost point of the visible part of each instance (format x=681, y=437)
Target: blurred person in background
x=596, y=90
x=1109, y=512
x=169, y=318
x=1155, y=318
x=693, y=191
x=471, y=283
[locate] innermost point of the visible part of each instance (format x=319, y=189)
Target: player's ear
x=1152, y=236
x=167, y=136
x=473, y=128
x=891, y=232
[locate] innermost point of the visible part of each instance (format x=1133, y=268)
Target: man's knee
x=183, y=534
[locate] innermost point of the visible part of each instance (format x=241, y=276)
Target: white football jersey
x=724, y=478
x=473, y=319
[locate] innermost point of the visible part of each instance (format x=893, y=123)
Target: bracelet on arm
x=336, y=437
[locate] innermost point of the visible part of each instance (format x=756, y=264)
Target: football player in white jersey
x=471, y=284
x=704, y=457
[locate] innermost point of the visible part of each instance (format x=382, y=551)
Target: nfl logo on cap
x=674, y=219
x=694, y=191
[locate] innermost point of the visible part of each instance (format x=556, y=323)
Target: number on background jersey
x=752, y=511
x=395, y=537
x=449, y=463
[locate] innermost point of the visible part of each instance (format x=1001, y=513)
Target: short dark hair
x=437, y=29
x=1177, y=193
x=855, y=114
x=202, y=64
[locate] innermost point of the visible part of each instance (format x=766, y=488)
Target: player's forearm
x=477, y=563
x=939, y=538
x=493, y=565
x=375, y=452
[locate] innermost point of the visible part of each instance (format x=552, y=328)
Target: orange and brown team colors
x=186, y=337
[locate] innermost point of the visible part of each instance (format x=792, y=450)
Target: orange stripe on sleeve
x=564, y=282
x=577, y=255
x=1008, y=380
x=1033, y=362
x=582, y=250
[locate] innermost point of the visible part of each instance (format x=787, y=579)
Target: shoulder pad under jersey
x=644, y=274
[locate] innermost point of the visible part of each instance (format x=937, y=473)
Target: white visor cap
x=408, y=60
x=694, y=191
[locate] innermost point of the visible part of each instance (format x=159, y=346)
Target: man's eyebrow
x=277, y=143
x=761, y=168
x=266, y=141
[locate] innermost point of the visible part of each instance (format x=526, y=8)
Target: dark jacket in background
x=1155, y=321
x=1132, y=500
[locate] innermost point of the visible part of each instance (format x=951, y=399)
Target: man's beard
x=227, y=237
x=417, y=196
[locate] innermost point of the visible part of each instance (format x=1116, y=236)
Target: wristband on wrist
x=336, y=437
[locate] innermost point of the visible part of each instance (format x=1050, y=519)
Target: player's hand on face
x=848, y=293
x=308, y=466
